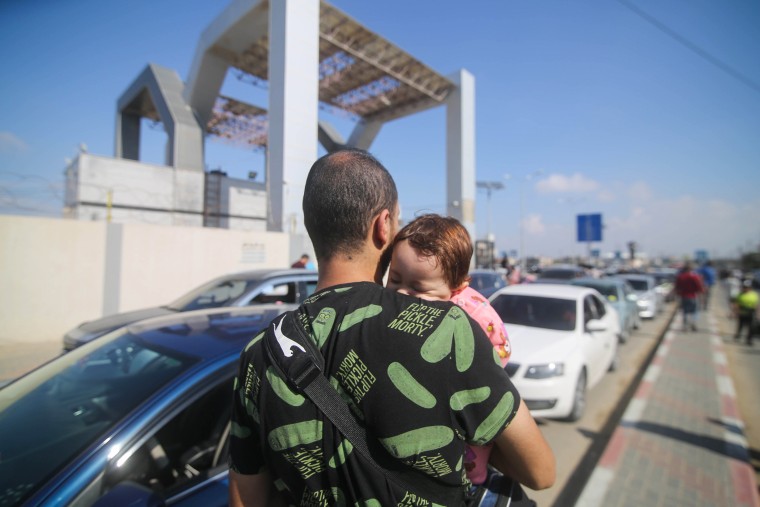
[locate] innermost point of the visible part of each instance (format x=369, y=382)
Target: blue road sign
x=590, y=227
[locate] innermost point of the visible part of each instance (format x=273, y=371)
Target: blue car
x=138, y=417
x=621, y=297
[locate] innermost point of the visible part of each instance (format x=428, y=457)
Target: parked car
x=621, y=297
x=664, y=279
x=564, y=338
x=649, y=301
x=137, y=417
x=486, y=281
x=237, y=289
x=560, y=274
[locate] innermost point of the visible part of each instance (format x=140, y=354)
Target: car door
x=599, y=349
x=178, y=458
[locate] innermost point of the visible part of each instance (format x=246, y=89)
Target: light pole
x=525, y=178
x=489, y=186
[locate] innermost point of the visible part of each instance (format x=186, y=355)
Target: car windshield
x=639, y=285
x=214, y=294
x=536, y=311
x=51, y=415
x=608, y=291
x=482, y=281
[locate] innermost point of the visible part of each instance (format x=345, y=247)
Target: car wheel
x=579, y=399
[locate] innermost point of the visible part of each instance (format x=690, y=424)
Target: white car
x=564, y=339
x=649, y=300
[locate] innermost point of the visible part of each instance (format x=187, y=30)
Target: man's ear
x=382, y=229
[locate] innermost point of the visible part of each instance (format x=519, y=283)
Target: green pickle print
x=253, y=342
x=491, y=424
x=368, y=503
x=360, y=315
x=464, y=340
x=291, y=435
x=322, y=326
x=438, y=345
x=238, y=431
x=418, y=441
x=344, y=449
x=409, y=387
x=282, y=390
x=461, y=399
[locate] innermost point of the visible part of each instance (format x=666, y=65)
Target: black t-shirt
x=420, y=375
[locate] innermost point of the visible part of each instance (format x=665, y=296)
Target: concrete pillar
x=127, y=136
x=460, y=150
x=293, y=107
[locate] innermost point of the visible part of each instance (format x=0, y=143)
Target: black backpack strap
x=300, y=363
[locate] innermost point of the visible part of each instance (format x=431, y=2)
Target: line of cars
x=140, y=415
x=565, y=330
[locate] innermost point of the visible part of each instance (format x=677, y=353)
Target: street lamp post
x=525, y=178
x=489, y=186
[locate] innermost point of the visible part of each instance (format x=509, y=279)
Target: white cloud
x=534, y=225
x=606, y=196
x=9, y=142
x=640, y=191
x=577, y=183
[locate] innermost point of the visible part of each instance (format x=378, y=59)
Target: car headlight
x=545, y=370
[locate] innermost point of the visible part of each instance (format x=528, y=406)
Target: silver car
x=645, y=287
x=246, y=288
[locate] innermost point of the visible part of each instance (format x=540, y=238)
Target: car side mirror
x=130, y=493
x=595, y=325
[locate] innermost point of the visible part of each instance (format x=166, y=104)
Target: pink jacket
x=483, y=313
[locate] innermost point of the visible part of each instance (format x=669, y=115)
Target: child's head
x=430, y=258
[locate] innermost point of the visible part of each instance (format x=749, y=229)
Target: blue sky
x=646, y=111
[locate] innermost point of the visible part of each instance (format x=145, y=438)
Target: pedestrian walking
x=688, y=287
x=745, y=306
x=707, y=272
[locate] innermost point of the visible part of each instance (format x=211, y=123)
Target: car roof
x=206, y=333
x=562, y=291
x=597, y=281
x=265, y=274
x=635, y=276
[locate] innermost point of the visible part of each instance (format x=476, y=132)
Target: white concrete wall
x=57, y=273
x=139, y=192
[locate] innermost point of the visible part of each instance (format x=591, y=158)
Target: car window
x=589, y=309
x=65, y=406
x=599, y=307
x=311, y=286
x=536, y=311
x=182, y=451
x=214, y=295
x=285, y=292
x=639, y=285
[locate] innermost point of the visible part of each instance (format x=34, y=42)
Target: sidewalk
x=681, y=439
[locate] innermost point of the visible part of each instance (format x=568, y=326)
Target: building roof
x=360, y=74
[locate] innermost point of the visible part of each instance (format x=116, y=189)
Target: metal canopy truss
x=238, y=123
x=360, y=72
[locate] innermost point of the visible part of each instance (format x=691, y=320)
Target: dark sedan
x=138, y=417
x=486, y=281
x=237, y=289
